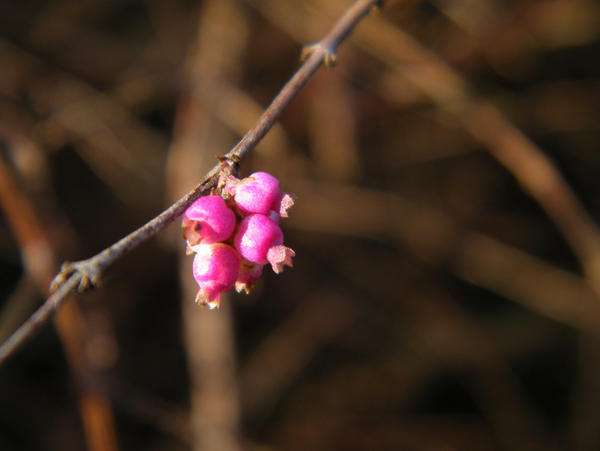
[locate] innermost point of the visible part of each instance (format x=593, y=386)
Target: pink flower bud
x=249, y=273
x=256, y=193
x=216, y=268
x=259, y=240
x=208, y=220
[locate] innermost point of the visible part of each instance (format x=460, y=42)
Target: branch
x=82, y=275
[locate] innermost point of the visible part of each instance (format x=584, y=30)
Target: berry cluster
x=236, y=234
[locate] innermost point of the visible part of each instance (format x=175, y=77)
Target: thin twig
x=84, y=274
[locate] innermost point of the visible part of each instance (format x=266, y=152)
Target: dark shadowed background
x=445, y=293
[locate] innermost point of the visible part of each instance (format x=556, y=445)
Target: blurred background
x=446, y=287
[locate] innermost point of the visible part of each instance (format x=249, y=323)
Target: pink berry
x=259, y=240
x=216, y=268
x=208, y=220
x=256, y=193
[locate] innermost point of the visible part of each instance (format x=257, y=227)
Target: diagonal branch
x=82, y=275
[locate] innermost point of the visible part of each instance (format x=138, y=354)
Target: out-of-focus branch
x=39, y=262
x=540, y=178
x=286, y=352
x=213, y=65
x=434, y=237
x=445, y=87
x=529, y=165
x=84, y=274
x=125, y=153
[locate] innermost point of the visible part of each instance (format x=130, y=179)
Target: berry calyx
x=249, y=273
